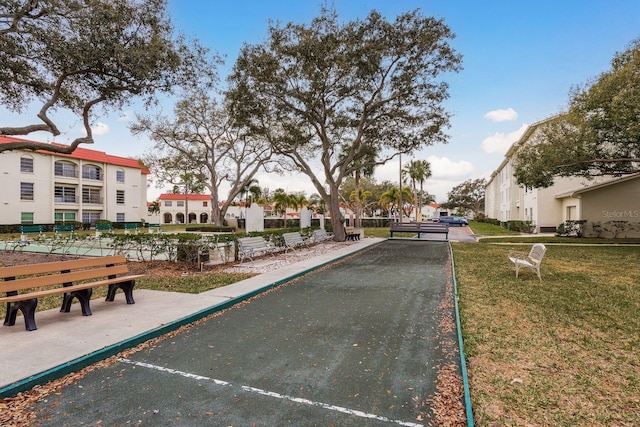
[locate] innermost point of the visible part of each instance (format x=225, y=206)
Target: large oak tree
x=204, y=132
x=599, y=134
x=79, y=55
x=328, y=94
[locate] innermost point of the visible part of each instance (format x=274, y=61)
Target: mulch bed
x=151, y=269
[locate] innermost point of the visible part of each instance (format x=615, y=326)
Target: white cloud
x=501, y=115
x=291, y=183
x=445, y=174
x=443, y=167
x=500, y=142
x=126, y=116
x=100, y=129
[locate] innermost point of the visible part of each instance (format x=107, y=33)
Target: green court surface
x=359, y=342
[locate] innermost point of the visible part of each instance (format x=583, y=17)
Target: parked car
x=453, y=220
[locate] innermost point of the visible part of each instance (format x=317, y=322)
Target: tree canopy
x=81, y=54
x=468, y=196
x=327, y=95
x=599, y=134
x=203, y=133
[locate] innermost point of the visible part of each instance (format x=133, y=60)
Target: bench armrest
x=517, y=254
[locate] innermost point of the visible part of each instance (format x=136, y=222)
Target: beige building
x=177, y=209
x=596, y=201
x=88, y=185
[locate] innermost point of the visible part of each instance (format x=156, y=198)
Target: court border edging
x=79, y=363
x=463, y=364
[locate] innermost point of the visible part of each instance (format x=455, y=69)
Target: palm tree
x=246, y=189
x=256, y=193
x=282, y=201
x=154, y=207
x=390, y=199
x=417, y=171
x=298, y=200
x=360, y=197
x=316, y=203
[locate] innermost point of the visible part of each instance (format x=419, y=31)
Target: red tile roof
x=172, y=196
x=87, y=154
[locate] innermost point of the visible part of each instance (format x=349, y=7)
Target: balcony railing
x=92, y=200
x=65, y=199
x=92, y=175
x=67, y=173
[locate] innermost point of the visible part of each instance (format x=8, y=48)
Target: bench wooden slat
x=59, y=278
x=419, y=228
x=68, y=289
x=50, y=267
x=352, y=233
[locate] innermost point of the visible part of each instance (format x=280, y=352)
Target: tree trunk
x=217, y=216
x=186, y=207
x=339, y=234
x=357, y=200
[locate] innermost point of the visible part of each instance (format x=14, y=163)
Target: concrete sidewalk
x=65, y=342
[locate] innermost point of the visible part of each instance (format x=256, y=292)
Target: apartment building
x=87, y=185
x=573, y=198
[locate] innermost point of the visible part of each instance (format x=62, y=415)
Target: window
x=168, y=203
x=65, y=169
x=120, y=217
x=90, y=217
x=64, y=216
x=26, y=164
x=26, y=191
x=26, y=218
x=91, y=195
x=205, y=204
x=92, y=172
x=120, y=175
x=65, y=194
x=120, y=197
x=180, y=203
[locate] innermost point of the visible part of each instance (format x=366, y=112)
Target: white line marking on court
x=335, y=408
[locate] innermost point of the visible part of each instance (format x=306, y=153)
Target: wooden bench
x=294, y=240
x=321, y=236
x=351, y=233
x=24, y=284
x=420, y=228
x=248, y=247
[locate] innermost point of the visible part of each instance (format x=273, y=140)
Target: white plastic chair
x=532, y=260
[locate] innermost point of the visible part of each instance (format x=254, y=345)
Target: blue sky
x=520, y=60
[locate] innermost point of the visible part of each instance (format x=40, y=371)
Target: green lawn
x=564, y=351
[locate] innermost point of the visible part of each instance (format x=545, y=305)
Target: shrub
x=521, y=226
x=571, y=228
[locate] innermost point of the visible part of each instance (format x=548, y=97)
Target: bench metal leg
x=28, y=309
x=127, y=289
x=84, y=297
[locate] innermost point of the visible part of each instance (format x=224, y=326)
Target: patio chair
x=532, y=260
